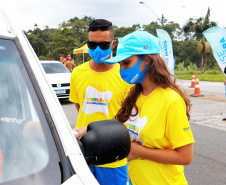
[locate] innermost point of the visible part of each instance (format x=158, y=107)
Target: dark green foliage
x=74, y=34
x=197, y=26
x=186, y=50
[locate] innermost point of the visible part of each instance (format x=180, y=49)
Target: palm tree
x=198, y=26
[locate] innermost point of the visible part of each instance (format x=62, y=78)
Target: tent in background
x=83, y=49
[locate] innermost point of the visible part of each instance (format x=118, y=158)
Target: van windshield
x=54, y=68
x=26, y=144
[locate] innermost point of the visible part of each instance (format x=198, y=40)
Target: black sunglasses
x=103, y=45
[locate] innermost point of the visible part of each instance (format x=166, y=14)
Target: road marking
x=210, y=97
x=212, y=123
x=214, y=98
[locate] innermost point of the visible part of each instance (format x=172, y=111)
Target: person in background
x=69, y=64
x=70, y=58
x=62, y=59
x=49, y=58
x=156, y=113
x=97, y=91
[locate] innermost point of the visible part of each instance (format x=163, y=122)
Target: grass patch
x=205, y=77
x=209, y=72
x=210, y=75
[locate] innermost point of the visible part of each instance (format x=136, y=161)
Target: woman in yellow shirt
x=156, y=113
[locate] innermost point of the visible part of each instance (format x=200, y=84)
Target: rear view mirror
x=105, y=142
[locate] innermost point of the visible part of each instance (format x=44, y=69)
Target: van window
x=54, y=68
x=27, y=149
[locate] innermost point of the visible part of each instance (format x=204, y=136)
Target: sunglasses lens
x=92, y=45
x=104, y=45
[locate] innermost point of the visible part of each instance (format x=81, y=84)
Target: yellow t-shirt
x=161, y=123
x=99, y=95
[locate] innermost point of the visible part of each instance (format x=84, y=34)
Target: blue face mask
x=98, y=55
x=133, y=75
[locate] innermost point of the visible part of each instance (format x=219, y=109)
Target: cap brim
x=116, y=59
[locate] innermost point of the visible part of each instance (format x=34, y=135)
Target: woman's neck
x=148, y=86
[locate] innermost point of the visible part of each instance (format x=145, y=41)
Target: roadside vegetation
x=191, y=51
x=213, y=74
x=206, y=77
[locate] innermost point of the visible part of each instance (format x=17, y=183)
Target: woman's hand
x=81, y=131
x=133, y=151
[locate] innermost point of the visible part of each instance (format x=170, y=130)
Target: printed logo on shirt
x=96, y=101
x=135, y=125
x=186, y=129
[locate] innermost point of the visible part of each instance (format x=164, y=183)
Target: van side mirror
x=105, y=142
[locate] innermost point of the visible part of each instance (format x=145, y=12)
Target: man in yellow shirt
x=97, y=91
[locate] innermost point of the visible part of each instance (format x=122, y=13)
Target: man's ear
x=113, y=44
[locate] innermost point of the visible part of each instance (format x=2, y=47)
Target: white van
x=59, y=77
x=37, y=145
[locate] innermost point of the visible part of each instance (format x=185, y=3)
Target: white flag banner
x=216, y=37
x=166, y=50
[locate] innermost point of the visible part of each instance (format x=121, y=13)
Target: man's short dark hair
x=225, y=70
x=102, y=25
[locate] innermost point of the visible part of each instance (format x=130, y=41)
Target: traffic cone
x=193, y=81
x=197, y=91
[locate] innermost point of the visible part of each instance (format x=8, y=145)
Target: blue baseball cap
x=135, y=43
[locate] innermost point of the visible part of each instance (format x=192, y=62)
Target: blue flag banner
x=216, y=37
x=166, y=50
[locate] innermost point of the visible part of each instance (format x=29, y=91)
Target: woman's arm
x=179, y=156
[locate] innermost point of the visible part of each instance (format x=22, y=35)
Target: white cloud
x=121, y=12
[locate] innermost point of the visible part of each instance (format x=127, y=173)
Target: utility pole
x=162, y=18
x=162, y=21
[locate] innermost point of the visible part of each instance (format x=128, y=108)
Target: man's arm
x=77, y=106
x=81, y=130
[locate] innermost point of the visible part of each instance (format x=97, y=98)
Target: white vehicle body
x=68, y=147
x=59, y=78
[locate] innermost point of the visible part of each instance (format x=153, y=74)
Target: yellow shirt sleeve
x=73, y=93
x=178, y=128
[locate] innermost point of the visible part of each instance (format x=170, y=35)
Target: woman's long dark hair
x=158, y=74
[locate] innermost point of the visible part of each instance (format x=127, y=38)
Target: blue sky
x=120, y=12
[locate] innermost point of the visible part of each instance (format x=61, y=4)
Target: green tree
x=121, y=32
x=36, y=42
x=171, y=28
x=151, y=28
x=198, y=26
x=186, y=50
x=136, y=26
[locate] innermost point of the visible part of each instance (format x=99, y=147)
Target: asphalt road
x=209, y=163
